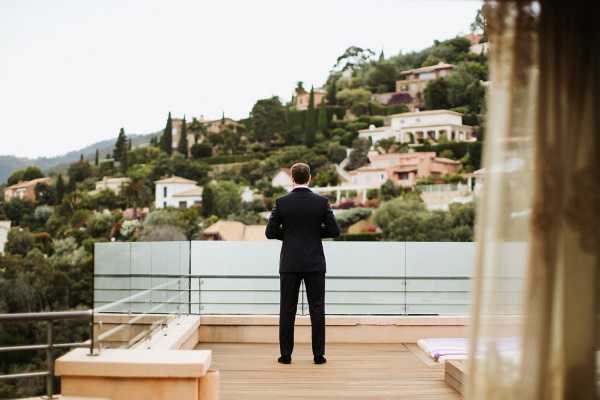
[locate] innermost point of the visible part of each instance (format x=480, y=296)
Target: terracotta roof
x=473, y=38
x=439, y=65
x=446, y=160
x=234, y=230
x=197, y=191
x=25, y=184
x=175, y=179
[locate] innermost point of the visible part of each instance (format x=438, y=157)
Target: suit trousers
x=315, y=291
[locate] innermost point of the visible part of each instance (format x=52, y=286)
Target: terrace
x=197, y=318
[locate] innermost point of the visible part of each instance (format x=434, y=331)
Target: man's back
x=301, y=219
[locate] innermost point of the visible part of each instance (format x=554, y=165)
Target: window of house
x=403, y=176
x=182, y=204
x=164, y=204
x=165, y=191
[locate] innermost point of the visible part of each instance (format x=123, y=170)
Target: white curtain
x=534, y=317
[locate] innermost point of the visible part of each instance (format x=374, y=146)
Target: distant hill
x=10, y=163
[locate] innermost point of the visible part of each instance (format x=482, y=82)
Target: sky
x=73, y=72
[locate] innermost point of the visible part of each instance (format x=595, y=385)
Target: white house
x=4, y=228
x=283, y=179
x=176, y=192
x=415, y=127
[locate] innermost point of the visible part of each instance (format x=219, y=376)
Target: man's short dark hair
x=300, y=173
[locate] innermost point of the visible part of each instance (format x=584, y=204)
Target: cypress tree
x=166, y=140
x=332, y=94
x=81, y=157
x=97, y=158
x=182, y=146
x=322, y=120
x=129, y=144
x=120, y=146
x=60, y=189
x=208, y=200
x=311, y=121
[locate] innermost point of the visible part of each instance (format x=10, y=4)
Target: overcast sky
x=74, y=72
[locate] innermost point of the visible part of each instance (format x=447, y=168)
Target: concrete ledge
x=340, y=329
x=132, y=363
x=331, y=320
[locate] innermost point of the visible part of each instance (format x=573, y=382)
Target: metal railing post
x=50, y=361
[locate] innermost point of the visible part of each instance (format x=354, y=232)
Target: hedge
x=360, y=237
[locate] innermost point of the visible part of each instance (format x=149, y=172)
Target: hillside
x=9, y=163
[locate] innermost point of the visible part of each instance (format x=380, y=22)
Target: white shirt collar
x=300, y=186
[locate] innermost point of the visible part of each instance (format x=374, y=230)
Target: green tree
x=166, y=140
x=60, y=189
x=19, y=241
x=120, y=146
x=227, y=199
x=208, y=200
x=201, y=150
x=332, y=94
x=390, y=190
x=182, y=146
x=382, y=77
x=78, y=172
x=322, y=125
x=310, y=126
x=25, y=174
x=358, y=155
x=436, y=94
x=97, y=157
x=267, y=119
x=464, y=86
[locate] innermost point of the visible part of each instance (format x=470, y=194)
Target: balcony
x=199, y=320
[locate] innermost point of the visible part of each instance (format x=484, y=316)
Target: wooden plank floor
x=353, y=371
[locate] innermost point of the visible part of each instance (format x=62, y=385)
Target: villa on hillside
x=477, y=46
x=234, y=230
x=215, y=126
x=177, y=192
x=416, y=80
x=24, y=190
x=113, y=184
x=302, y=98
x=402, y=168
x=416, y=127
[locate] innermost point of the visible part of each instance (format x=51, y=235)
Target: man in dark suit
x=300, y=220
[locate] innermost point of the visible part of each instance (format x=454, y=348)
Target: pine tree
x=97, y=158
x=81, y=158
x=381, y=56
x=182, y=146
x=120, y=146
x=60, y=189
x=311, y=120
x=166, y=140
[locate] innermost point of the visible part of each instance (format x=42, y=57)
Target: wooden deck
x=353, y=371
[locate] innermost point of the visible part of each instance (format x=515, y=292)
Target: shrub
x=201, y=150
x=360, y=237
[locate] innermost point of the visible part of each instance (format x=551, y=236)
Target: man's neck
x=296, y=186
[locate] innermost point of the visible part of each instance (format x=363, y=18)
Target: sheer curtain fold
x=534, y=315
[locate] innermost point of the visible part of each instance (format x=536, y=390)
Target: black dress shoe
x=284, y=360
x=320, y=360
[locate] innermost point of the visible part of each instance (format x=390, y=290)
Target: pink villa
x=402, y=168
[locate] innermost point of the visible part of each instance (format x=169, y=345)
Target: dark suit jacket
x=301, y=219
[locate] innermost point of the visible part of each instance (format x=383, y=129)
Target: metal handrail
x=49, y=318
